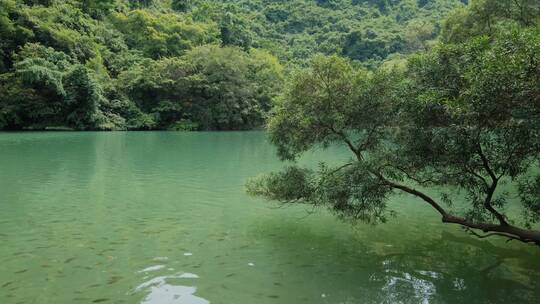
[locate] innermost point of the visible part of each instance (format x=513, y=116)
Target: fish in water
x=69, y=260
x=113, y=280
x=100, y=300
x=80, y=299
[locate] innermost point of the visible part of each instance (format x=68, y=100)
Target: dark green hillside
x=184, y=64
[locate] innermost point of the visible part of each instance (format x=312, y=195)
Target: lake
x=162, y=218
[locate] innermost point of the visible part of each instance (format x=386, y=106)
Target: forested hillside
x=184, y=64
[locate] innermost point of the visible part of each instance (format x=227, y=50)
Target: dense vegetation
x=184, y=64
x=464, y=115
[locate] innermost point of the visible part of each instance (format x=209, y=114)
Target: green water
x=163, y=218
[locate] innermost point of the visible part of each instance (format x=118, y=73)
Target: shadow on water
x=441, y=267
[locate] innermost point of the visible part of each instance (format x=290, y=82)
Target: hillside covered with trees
x=186, y=64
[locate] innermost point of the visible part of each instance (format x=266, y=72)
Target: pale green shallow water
x=163, y=218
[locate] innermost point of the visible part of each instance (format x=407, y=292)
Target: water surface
x=163, y=218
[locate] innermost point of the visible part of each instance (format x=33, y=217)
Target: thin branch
x=409, y=176
x=485, y=163
x=348, y=142
x=286, y=203
x=483, y=236
x=339, y=168
x=491, y=189
x=414, y=192
x=480, y=177
x=368, y=140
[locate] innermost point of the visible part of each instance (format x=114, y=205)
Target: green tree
x=33, y=94
x=417, y=34
x=39, y=2
x=161, y=35
x=485, y=17
x=24, y=106
x=160, y=88
x=84, y=95
x=98, y=8
x=465, y=120
x=234, y=31
x=371, y=44
x=181, y=5
x=136, y=4
x=227, y=86
x=216, y=88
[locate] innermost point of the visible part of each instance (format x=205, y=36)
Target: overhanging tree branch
x=505, y=230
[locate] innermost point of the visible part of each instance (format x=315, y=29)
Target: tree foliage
x=487, y=17
x=228, y=55
x=217, y=88
x=464, y=117
x=107, y=65
x=162, y=35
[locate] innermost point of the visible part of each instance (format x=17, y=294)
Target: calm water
x=162, y=218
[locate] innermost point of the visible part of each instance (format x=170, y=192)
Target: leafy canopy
x=463, y=117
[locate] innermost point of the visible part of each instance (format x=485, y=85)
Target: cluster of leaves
x=333, y=103
x=462, y=116
x=218, y=88
x=115, y=64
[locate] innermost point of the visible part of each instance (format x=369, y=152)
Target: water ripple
x=162, y=292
